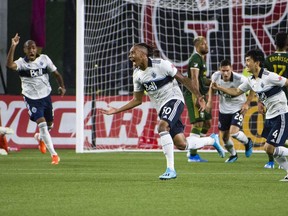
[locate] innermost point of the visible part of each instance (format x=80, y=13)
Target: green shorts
x=193, y=112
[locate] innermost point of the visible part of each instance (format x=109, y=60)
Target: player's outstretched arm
x=10, y=56
x=230, y=91
x=136, y=101
x=193, y=89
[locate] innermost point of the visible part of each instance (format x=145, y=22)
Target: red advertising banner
x=125, y=128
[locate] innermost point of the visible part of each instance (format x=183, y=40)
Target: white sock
x=229, y=145
x=167, y=144
x=45, y=136
x=280, y=151
x=199, y=142
x=282, y=161
x=240, y=136
x=196, y=135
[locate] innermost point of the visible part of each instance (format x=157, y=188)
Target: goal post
x=80, y=50
x=106, y=30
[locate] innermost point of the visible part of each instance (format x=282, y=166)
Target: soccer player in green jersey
x=201, y=121
x=278, y=63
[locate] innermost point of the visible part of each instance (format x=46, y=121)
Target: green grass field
x=127, y=184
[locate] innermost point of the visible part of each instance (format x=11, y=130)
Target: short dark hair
x=225, y=62
x=156, y=53
x=256, y=55
x=281, y=39
x=148, y=47
x=198, y=39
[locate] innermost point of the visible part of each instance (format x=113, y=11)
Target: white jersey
x=268, y=87
x=229, y=104
x=34, y=76
x=159, y=83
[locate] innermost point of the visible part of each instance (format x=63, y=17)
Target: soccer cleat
x=249, y=148
x=232, y=159
x=169, y=174
x=6, y=130
x=269, y=165
x=55, y=159
x=3, y=152
x=196, y=159
x=41, y=144
x=285, y=179
x=217, y=145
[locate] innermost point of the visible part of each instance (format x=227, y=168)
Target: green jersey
x=278, y=63
x=196, y=61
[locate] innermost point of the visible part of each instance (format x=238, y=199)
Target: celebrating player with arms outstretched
x=159, y=79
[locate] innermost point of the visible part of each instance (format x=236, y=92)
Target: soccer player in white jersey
x=268, y=87
x=231, y=110
x=33, y=70
x=159, y=79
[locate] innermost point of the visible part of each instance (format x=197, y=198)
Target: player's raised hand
x=15, y=40
x=109, y=111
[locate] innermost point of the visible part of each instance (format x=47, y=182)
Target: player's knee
x=180, y=146
x=235, y=135
x=50, y=125
x=180, y=141
x=42, y=125
x=269, y=149
x=163, y=126
x=225, y=139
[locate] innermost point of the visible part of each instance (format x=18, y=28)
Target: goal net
x=106, y=30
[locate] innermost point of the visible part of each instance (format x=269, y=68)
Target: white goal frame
x=182, y=5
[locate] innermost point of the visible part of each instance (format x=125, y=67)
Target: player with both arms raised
x=159, y=79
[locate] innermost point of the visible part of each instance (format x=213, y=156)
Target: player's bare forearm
x=136, y=101
x=250, y=97
x=59, y=79
x=286, y=83
x=131, y=104
x=209, y=102
x=10, y=56
x=194, y=73
x=230, y=91
x=187, y=83
x=246, y=105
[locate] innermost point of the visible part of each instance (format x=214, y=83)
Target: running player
x=159, y=79
x=278, y=63
x=268, y=87
x=33, y=70
x=231, y=110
